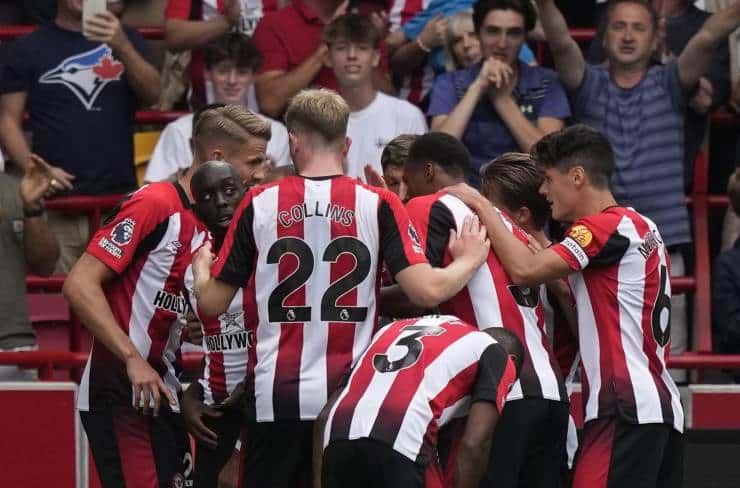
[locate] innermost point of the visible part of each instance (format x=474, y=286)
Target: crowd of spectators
x=650, y=80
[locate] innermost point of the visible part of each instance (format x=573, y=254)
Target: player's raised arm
x=523, y=267
x=428, y=287
x=695, y=58
x=565, y=51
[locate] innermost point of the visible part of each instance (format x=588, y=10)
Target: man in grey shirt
x=640, y=108
x=25, y=240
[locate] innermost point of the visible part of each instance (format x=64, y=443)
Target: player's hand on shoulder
x=194, y=411
x=472, y=242
x=203, y=260
x=148, y=387
x=469, y=195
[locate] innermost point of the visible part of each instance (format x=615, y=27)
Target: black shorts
x=615, y=454
x=277, y=454
x=368, y=463
x=209, y=462
x=528, y=447
x=133, y=449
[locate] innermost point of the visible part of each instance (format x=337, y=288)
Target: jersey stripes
x=147, y=243
x=623, y=301
x=490, y=299
x=415, y=371
x=308, y=251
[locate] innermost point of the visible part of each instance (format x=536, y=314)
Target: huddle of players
x=289, y=311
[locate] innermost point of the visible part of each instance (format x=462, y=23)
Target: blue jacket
x=726, y=299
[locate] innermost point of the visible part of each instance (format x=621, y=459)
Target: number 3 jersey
x=623, y=298
x=416, y=375
x=308, y=253
x=490, y=299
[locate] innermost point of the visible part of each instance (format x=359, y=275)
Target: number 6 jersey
x=623, y=298
x=308, y=252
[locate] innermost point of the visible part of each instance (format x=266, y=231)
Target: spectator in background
x=375, y=118
x=25, y=240
x=726, y=284
x=462, y=47
x=682, y=21
x=641, y=108
x=502, y=105
x=192, y=24
x=291, y=43
x=394, y=156
x=81, y=94
x=231, y=62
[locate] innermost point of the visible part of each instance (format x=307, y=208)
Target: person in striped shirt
x=308, y=251
x=618, y=268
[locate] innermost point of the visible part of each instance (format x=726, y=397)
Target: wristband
x=422, y=46
x=30, y=213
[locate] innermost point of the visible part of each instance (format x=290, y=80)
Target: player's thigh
x=616, y=454
x=339, y=466
x=210, y=461
x=277, y=454
x=672, y=465
x=546, y=453
x=102, y=440
x=170, y=448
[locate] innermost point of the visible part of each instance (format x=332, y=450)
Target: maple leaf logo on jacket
x=86, y=74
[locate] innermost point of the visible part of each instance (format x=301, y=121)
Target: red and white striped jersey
x=417, y=375
x=490, y=299
x=309, y=253
x=623, y=298
x=415, y=86
x=226, y=346
x=147, y=243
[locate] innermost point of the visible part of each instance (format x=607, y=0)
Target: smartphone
x=90, y=8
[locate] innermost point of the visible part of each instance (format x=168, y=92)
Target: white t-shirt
x=375, y=126
x=172, y=151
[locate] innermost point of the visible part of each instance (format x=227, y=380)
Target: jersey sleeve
x=592, y=241
x=496, y=374
x=178, y=9
x=235, y=262
x=17, y=73
x=399, y=240
x=139, y=225
x=269, y=44
x=433, y=223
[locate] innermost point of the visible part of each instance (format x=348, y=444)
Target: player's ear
x=523, y=217
x=577, y=176
x=217, y=155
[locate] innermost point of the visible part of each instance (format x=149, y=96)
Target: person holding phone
x=80, y=84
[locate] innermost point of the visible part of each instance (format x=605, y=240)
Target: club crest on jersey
x=123, y=232
x=581, y=234
x=86, y=74
x=415, y=241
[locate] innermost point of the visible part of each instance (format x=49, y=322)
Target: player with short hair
x=392, y=159
x=416, y=375
x=308, y=250
x=618, y=269
x=530, y=441
x=127, y=290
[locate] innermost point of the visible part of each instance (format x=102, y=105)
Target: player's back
x=317, y=245
x=416, y=374
x=490, y=299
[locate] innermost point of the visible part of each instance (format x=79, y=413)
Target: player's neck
x=68, y=20
x=595, y=201
x=359, y=97
x=318, y=164
x=184, y=181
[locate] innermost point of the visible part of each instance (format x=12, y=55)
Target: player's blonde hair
x=318, y=112
x=231, y=123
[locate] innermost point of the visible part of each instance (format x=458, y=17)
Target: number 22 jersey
x=309, y=251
